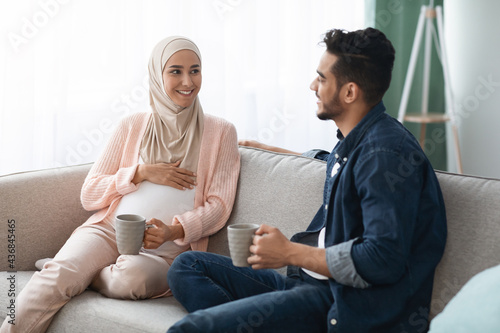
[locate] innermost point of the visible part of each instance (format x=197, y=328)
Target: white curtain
x=70, y=69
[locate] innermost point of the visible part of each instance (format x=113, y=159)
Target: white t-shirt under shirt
x=321, y=245
x=160, y=202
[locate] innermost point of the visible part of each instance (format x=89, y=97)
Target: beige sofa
x=277, y=189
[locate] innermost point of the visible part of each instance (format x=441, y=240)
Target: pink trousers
x=88, y=259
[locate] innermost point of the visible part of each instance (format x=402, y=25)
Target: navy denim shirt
x=385, y=228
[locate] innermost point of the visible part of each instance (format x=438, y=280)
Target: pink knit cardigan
x=217, y=176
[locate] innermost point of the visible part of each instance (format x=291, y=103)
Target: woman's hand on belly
x=161, y=233
x=165, y=174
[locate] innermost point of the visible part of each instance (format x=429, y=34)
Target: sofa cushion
x=472, y=244
x=475, y=308
x=92, y=312
x=284, y=191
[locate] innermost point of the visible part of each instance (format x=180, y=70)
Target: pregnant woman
x=175, y=165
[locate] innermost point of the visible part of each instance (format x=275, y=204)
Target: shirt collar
x=348, y=143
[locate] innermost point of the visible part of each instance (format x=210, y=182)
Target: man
x=366, y=262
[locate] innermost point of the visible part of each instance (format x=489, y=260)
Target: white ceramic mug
x=129, y=233
x=240, y=237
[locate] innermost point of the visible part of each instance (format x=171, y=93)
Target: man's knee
x=187, y=258
x=178, y=268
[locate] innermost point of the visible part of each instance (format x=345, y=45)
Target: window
x=69, y=70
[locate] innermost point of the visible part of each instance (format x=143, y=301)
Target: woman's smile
x=185, y=92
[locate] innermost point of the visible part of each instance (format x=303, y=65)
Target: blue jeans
x=223, y=298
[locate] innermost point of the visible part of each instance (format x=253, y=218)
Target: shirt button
x=336, y=155
x=333, y=322
x=326, y=206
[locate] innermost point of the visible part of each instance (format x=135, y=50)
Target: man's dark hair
x=365, y=57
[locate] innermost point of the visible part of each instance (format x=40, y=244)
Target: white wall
x=472, y=30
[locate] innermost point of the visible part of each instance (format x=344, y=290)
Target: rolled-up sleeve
x=341, y=265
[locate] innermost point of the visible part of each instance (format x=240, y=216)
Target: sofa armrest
x=42, y=208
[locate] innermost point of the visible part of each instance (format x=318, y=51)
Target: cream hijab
x=173, y=132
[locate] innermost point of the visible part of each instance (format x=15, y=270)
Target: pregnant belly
x=156, y=201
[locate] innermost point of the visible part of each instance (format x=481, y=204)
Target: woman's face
x=182, y=77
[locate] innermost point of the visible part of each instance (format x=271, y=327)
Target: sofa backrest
x=473, y=243
x=281, y=190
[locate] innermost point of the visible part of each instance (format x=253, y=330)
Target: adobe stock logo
x=277, y=123
x=224, y=6
x=31, y=27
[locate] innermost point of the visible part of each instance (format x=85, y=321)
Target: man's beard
x=331, y=110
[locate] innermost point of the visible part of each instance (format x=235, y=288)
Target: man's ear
x=352, y=92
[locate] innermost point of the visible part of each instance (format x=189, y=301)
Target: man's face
x=325, y=86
